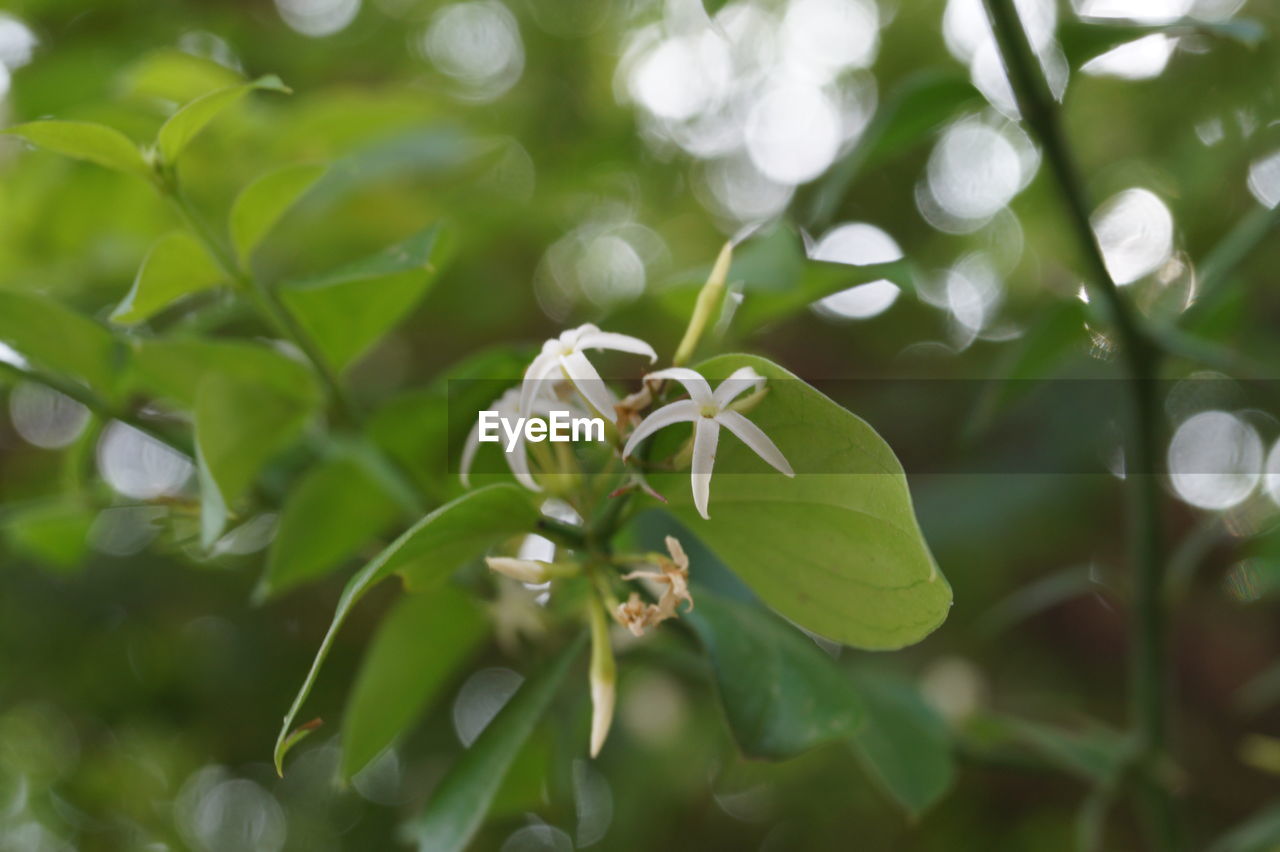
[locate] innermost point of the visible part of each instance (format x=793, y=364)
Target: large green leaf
x=239, y=427
x=904, y=745
x=419, y=646
x=262, y=203
x=836, y=549
x=176, y=266
x=780, y=693
x=348, y=310
x=60, y=340
x=426, y=553
x=457, y=809
x=173, y=369
x=84, y=140
x=184, y=124
x=334, y=511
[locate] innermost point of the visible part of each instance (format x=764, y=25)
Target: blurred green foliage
x=151, y=639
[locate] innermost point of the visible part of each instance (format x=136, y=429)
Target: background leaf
x=83, y=140
x=176, y=266
x=904, y=744
x=335, y=510
x=262, y=203
x=418, y=648
x=174, y=368
x=58, y=339
x=348, y=310
x=457, y=808
x=780, y=693
x=186, y=123
x=239, y=427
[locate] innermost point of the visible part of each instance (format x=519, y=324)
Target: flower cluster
x=563, y=376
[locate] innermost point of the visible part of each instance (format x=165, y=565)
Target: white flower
x=709, y=411
x=533, y=571
x=511, y=407
x=562, y=358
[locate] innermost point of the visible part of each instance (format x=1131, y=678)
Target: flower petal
x=681, y=411
x=546, y=362
x=587, y=382
x=739, y=381
x=694, y=383
x=706, y=434
x=518, y=461
x=751, y=435
x=621, y=342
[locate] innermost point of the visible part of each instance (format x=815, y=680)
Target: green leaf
x=1095, y=753
x=780, y=693
x=919, y=105
x=335, y=510
x=173, y=369
x=837, y=548
x=904, y=745
x=176, y=266
x=457, y=809
x=175, y=75
x=419, y=646
x=1259, y=833
x=53, y=532
x=348, y=310
x=60, y=340
x=1083, y=40
x=84, y=140
x=426, y=553
x=239, y=427
x=186, y=123
x=262, y=203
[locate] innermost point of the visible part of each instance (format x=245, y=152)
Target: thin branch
x=1149, y=675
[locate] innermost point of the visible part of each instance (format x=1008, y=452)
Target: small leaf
x=262, y=203
x=175, y=75
x=176, y=266
x=1095, y=753
x=457, y=809
x=239, y=427
x=186, y=123
x=53, y=532
x=419, y=646
x=427, y=553
x=836, y=549
x=174, y=368
x=1082, y=40
x=336, y=508
x=83, y=140
x=904, y=745
x=780, y=693
x=348, y=310
x=58, y=339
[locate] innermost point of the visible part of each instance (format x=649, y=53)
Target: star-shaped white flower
x=563, y=357
x=708, y=411
x=510, y=406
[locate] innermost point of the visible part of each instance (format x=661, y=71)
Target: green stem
x=1149, y=675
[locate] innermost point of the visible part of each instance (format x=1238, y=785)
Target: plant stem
x=266, y=301
x=1149, y=676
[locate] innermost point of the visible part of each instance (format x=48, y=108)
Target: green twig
x=1149, y=676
